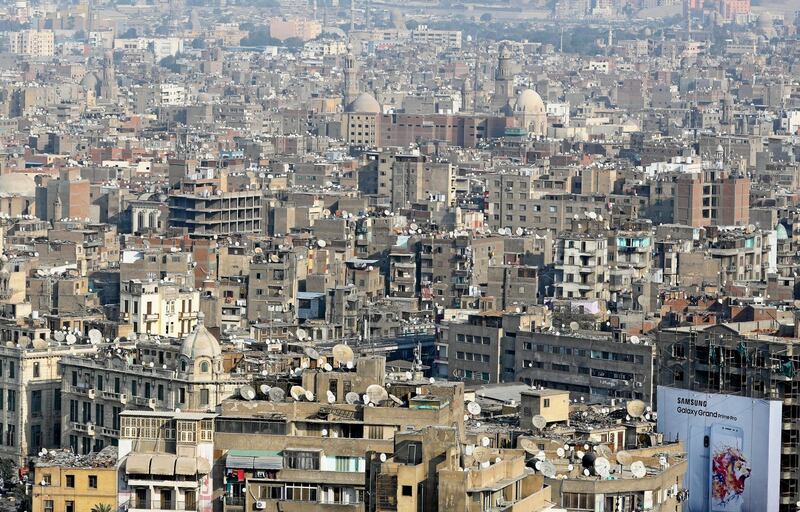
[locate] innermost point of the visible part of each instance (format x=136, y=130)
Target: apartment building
x=427, y=469
x=159, y=308
x=63, y=480
x=712, y=198
x=155, y=374
x=272, y=285
x=31, y=394
x=581, y=265
x=311, y=455
x=35, y=43
x=165, y=461
x=735, y=359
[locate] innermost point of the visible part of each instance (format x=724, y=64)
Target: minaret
x=467, y=96
x=503, y=78
x=350, y=79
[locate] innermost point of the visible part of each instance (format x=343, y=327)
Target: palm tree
x=102, y=507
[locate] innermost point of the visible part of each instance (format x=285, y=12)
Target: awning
x=186, y=466
x=163, y=464
x=138, y=464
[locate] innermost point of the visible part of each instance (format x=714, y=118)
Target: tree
x=412, y=24
x=486, y=17
x=102, y=507
x=129, y=34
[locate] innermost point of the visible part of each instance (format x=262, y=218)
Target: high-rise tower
x=503, y=78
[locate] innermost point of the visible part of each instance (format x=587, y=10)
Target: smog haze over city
x=384, y=256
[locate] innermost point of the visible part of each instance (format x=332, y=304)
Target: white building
x=38, y=43
x=159, y=308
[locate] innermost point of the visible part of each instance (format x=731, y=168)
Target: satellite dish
x=310, y=396
x=485, y=441
x=560, y=452
x=326, y=212
x=59, y=336
x=343, y=354
x=635, y=340
x=395, y=399
x=574, y=326
x=24, y=341
x=413, y=226
x=602, y=467
x=95, y=336
x=297, y=393
x=247, y=392
x=638, y=469
x=39, y=344
x=548, y=469
x=331, y=397
x=321, y=243
x=311, y=352
x=71, y=339
x=383, y=457
x=539, y=421
x=274, y=258
x=327, y=367
x=603, y=451
x=301, y=335
x=277, y=395
x=528, y=445
x=624, y=458
x=352, y=398
x=474, y=408
x=540, y=455
x=264, y=388
x=519, y=231
x=635, y=408
x=377, y=394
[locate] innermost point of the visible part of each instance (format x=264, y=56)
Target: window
x=99, y=415
x=36, y=370
x=575, y=500
x=48, y=504
x=92, y=481
x=203, y=397
x=36, y=402
x=301, y=460
x=12, y=370
x=99, y=383
x=69, y=506
x=47, y=479
x=70, y=479
x=12, y=400
x=408, y=490
x=546, y=403
x=301, y=492
x=204, y=367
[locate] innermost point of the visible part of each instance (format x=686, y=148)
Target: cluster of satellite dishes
x=62, y=337
x=510, y=232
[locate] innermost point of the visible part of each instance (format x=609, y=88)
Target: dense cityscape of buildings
x=372, y=256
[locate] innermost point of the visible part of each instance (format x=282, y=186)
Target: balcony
x=150, y=317
x=187, y=315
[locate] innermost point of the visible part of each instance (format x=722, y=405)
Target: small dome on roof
x=366, y=103
x=529, y=101
x=200, y=343
x=780, y=231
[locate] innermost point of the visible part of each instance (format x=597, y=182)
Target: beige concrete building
x=159, y=308
x=36, y=43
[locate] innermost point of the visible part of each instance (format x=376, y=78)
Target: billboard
x=733, y=447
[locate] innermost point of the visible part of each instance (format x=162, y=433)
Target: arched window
x=140, y=223
x=204, y=367
x=153, y=220
x=183, y=365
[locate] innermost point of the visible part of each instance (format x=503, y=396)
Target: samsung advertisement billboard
x=733, y=446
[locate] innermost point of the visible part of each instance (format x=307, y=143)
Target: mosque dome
x=90, y=82
x=200, y=343
x=365, y=103
x=780, y=232
x=529, y=101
